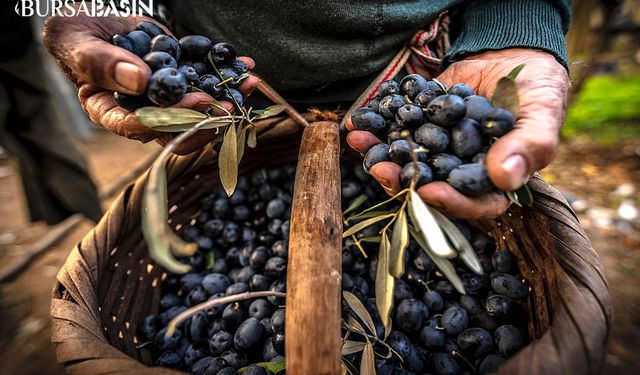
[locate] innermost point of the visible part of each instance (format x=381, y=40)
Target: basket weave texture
x=108, y=284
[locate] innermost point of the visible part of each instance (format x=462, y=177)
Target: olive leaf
x=350, y=347
x=373, y=239
x=216, y=105
x=459, y=241
x=384, y=285
x=399, y=243
x=272, y=111
x=427, y=227
x=163, y=244
x=368, y=362
x=252, y=137
x=524, y=195
x=363, y=224
x=514, y=73
x=368, y=215
x=242, y=77
x=354, y=325
x=275, y=367
x=357, y=202
x=444, y=265
x=358, y=308
x=213, y=123
x=506, y=96
x=242, y=140
x=228, y=160
x=513, y=198
x=154, y=116
x=155, y=214
x=210, y=260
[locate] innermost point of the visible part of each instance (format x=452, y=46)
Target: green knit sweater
x=329, y=50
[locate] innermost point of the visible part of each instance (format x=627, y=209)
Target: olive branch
x=232, y=131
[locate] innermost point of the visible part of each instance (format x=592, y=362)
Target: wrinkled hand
x=543, y=87
x=81, y=46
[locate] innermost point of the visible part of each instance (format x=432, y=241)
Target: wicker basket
x=108, y=284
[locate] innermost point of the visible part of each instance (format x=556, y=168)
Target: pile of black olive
x=193, y=62
x=242, y=244
x=452, y=127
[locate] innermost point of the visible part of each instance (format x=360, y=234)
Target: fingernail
x=385, y=184
x=515, y=168
x=128, y=76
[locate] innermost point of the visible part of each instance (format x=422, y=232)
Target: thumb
x=101, y=64
x=82, y=48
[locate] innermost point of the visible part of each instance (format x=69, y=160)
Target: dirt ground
x=592, y=174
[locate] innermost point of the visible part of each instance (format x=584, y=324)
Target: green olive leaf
x=374, y=239
x=459, y=242
x=153, y=116
x=228, y=160
x=367, y=215
x=506, y=96
x=357, y=202
x=514, y=73
x=444, y=265
x=358, y=308
x=524, y=195
x=272, y=111
x=213, y=123
x=363, y=224
x=513, y=198
x=368, y=362
x=252, y=138
x=384, y=285
x=350, y=347
x=399, y=243
x=210, y=260
x=427, y=227
x=275, y=367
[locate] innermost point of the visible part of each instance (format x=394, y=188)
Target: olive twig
x=180, y=318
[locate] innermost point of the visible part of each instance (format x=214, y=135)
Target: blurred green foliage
x=607, y=109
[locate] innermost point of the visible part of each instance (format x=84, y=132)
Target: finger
x=533, y=143
x=103, y=110
x=361, y=140
x=458, y=72
x=388, y=175
x=249, y=84
x=349, y=125
x=449, y=201
x=249, y=61
x=82, y=47
x=198, y=101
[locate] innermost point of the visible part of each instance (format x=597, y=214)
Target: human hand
x=542, y=87
x=81, y=46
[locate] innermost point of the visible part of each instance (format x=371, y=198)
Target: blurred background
x=43, y=183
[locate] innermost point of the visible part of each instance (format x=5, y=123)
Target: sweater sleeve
x=495, y=24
